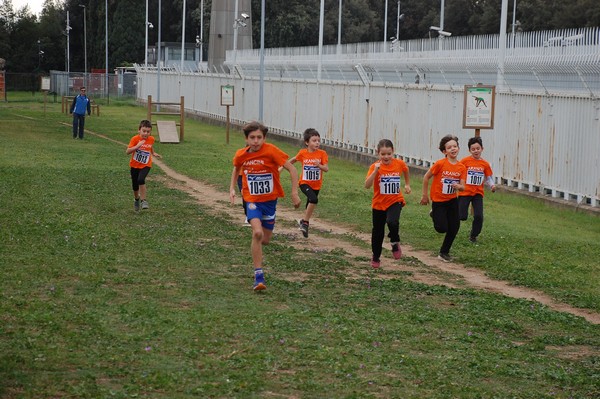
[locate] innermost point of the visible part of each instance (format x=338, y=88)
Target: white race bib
x=389, y=185
x=447, y=185
x=311, y=173
x=475, y=178
x=141, y=156
x=260, y=184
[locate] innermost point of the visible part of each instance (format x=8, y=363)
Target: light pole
x=68, y=28
x=40, y=54
x=237, y=23
x=106, y=47
x=385, y=27
x=183, y=36
x=261, y=86
x=84, y=43
x=321, y=21
x=339, y=43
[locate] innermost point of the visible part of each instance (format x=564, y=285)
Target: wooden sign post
x=478, y=108
x=45, y=84
x=228, y=100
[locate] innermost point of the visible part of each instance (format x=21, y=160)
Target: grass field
x=97, y=301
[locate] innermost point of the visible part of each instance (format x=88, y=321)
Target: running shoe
x=259, y=280
x=375, y=263
x=136, y=205
x=396, y=251
x=473, y=239
x=303, y=224
x=145, y=204
x=445, y=257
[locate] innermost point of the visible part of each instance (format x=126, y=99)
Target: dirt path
x=327, y=236
x=455, y=275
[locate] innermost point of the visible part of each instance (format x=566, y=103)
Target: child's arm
x=371, y=178
x=407, y=189
x=425, y=196
x=324, y=168
x=234, y=177
x=129, y=150
x=155, y=154
x=294, y=176
x=490, y=182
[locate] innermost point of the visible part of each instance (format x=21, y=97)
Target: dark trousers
x=78, y=123
x=312, y=196
x=138, y=177
x=391, y=217
x=446, y=220
x=463, y=210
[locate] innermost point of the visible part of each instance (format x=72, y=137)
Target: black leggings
x=463, y=210
x=312, y=196
x=446, y=220
x=391, y=217
x=138, y=177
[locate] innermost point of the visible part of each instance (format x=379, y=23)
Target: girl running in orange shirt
x=388, y=201
x=141, y=148
x=448, y=179
x=314, y=163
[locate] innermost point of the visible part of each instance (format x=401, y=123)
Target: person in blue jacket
x=81, y=105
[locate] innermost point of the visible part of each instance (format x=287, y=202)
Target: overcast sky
x=34, y=5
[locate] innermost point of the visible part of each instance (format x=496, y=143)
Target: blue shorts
x=265, y=211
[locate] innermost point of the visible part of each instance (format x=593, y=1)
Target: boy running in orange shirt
x=314, y=162
x=259, y=163
x=479, y=172
x=388, y=201
x=142, y=150
x=448, y=179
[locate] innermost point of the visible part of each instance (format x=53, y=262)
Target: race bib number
x=141, y=156
x=447, y=185
x=311, y=173
x=475, y=178
x=261, y=184
x=389, y=185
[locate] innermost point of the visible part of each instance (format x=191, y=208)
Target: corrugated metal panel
x=540, y=142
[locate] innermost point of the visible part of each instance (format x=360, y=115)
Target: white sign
x=479, y=104
x=227, y=95
x=45, y=83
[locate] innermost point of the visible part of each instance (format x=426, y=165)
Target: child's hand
x=424, y=200
x=296, y=200
x=377, y=165
x=407, y=189
x=232, y=196
x=317, y=162
x=157, y=155
x=493, y=188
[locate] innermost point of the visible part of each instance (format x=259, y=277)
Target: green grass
x=97, y=301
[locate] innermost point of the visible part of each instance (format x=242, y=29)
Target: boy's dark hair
x=475, y=140
x=253, y=126
x=310, y=132
x=445, y=139
x=385, y=143
x=145, y=123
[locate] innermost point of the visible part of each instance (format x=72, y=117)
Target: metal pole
x=321, y=20
x=146, y=43
x=441, y=37
x=158, y=59
x=201, y=29
x=385, y=27
x=513, y=22
x=106, y=48
x=68, y=50
x=235, y=34
x=183, y=36
x=339, y=43
x=398, y=23
x=261, y=90
x=502, y=46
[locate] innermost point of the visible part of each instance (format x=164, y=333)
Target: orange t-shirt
x=445, y=174
x=386, y=186
x=142, y=157
x=311, y=174
x=477, y=171
x=260, y=172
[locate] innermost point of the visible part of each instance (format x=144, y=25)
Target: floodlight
x=150, y=25
x=245, y=16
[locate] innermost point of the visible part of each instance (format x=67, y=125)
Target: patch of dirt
x=435, y=271
x=452, y=274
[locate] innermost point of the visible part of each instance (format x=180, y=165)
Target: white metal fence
x=542, y=142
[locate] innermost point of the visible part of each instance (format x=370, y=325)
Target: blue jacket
x=80, y=105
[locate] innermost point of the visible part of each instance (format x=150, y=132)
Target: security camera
x=444, y=33
x=245, y=16
x=242, y=24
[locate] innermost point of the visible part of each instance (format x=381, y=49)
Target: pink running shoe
x=396, y=251
x=375, y=263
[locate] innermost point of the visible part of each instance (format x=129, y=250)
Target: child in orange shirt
x=259, y=163
x=314, y=162
x=448, y=179
x=142, y=150
x=388, y=201
x=479, y=172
